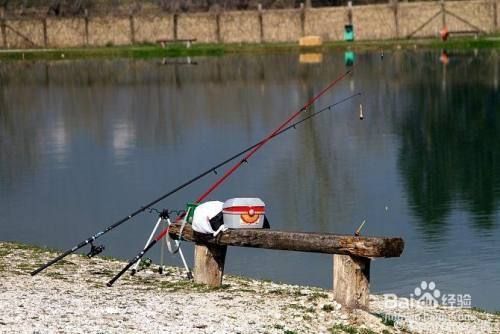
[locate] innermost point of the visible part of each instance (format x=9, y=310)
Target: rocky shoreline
x=72, y=297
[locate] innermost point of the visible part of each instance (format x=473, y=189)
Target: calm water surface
x=83, y=143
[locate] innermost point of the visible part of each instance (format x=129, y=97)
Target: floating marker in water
x=361, y=112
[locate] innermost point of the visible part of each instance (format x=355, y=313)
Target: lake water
x=84, y=143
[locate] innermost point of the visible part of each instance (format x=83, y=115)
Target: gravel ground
x=72, y=298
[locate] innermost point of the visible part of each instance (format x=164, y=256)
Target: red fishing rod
x=234, y=168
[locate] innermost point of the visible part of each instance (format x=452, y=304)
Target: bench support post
x=351, y=281
x=209, y=264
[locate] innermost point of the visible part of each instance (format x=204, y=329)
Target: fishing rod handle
x=68, y=252
x=56, y=259
x=131, y=263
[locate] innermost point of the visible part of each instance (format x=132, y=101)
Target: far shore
x=199, y=49
x=72, y=297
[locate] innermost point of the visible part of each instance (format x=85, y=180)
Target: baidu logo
x=427, y=294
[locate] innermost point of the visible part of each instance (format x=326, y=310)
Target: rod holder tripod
x=163, y=218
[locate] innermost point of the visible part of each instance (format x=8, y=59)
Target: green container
x=190, y=211
x=348, y=33
x=349, y=58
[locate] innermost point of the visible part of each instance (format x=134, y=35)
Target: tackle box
x=244, y=213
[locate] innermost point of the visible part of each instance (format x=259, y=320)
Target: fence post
x=209, y=264
x=495, y=15
x=351, y=281
x=443, y=12
x=45, y=38
x=86, y=20
x=175, y=19
x=261, y=23
x=2, y=27
x=395, y=8
x=349, y=12
x=303, y=18
x=217, y=27
x=132, y=29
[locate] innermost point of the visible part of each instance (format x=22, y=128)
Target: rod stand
x=164, y=214
x=163, y=217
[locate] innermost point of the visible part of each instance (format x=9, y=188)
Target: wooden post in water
x=209, y=264
x=351, y=281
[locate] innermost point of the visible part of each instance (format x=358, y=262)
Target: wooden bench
x=164, y=41
x=474, y=33
x=351, y=260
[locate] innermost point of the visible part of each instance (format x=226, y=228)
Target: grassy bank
x=132, y=51
x=178, y=50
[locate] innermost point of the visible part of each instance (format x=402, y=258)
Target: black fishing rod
x=283, y=127
x=95, y=250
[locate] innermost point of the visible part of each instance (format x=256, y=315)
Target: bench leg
x=209, y=264
x=351, y=281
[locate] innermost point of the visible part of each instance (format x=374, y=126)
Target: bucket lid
x=243, y=201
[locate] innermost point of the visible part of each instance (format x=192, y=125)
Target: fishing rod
x=251, y=151
x=95, y=250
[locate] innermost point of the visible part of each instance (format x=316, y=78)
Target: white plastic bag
x=202, y=215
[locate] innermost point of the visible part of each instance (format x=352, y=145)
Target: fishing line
x=251, y=151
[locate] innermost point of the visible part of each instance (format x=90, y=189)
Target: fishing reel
x=95, y=250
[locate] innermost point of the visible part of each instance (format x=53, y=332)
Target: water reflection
x=449, y=155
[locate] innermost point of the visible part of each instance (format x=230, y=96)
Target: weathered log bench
x=164, y=41
x=351, y=259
